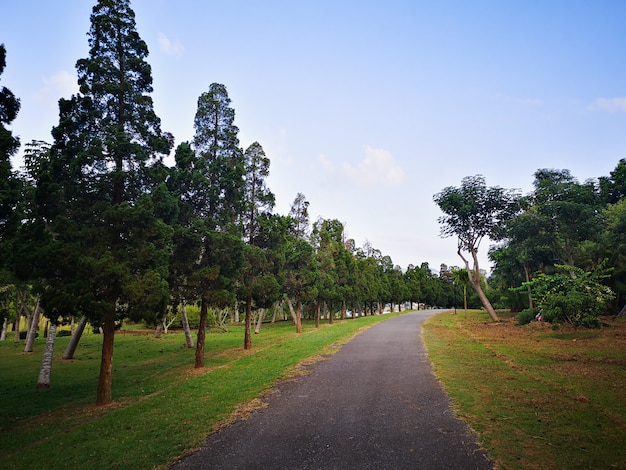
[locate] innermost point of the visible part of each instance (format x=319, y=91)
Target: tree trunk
x=185, y=321
x=530, y=297
x=5, y=325
x=318, y=309
x=32, y=330
x=236, y=312
x=293, y=312
x=276, y=304
x=158, y=331
x=474, y=278
x=43, y=382
x=73, y=344
x=105, y=381
x=343, y=309
x=298, y=315
x=18, y=319
x=201, y=334
x=258, y=324
x=465, y=300
x=247, y=340
x=622, y=312
x=331, y=314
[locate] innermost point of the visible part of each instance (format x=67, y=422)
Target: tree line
x=560, y=252
x=96, y=227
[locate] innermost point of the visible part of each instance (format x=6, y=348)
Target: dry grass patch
x=539, y=397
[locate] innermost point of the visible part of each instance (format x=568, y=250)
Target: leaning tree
x=472, y=212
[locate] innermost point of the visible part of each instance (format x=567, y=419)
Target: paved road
x=374, y=405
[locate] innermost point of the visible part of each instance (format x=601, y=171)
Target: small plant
x=526, y=316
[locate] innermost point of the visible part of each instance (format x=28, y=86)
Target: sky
x=368, y=108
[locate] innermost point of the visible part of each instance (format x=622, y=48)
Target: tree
x=571, y=209
x=265, y=235
x=10, y=184
x=472, y=212
x=461, y=278
x=258, y=198
x=613, y=187
x=108, y=249
x=299, y=211
x=216, y=201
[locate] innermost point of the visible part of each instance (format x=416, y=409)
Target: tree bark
x=185, y=321
x=247, y=340
x=260, y=322
x=32, y=330
x=292, y=311
x=201, y=335
x=474, y=278
x=298, y=315
x=622, y=312
x=43, y=382
x=318, y=310
x=73, y=344
x=104, y=395
x=5, y=325
x=530, y=297
x=158, y=331
x=18, y=318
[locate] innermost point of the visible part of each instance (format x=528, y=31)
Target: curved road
x=375, y=404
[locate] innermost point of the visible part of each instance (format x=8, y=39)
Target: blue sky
x=367, y=107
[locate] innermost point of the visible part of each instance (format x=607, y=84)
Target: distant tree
x=613, y=187
x=258, y=199
x=461, y=278
x=472, y=212
x=299, y=211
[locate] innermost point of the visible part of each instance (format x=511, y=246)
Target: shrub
x=526, y=316
x=571, y=295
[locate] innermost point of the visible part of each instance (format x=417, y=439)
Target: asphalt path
x=375, y=404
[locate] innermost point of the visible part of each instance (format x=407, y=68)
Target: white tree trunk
x=73, y=344
x=257, y=330
x=236, y=312
x=18, y=318
x=32, y=330
x=43, y=381
x=5, y=325
x=185, y=321
x=293, y=313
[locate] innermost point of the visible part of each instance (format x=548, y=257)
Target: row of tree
x=97, y=227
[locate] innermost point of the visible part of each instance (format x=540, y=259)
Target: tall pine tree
x=106, y=163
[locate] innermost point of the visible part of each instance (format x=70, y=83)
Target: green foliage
x=571, y=295
x=526, y=316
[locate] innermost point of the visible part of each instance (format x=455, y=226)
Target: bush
x=526, y=316
x=571, y=296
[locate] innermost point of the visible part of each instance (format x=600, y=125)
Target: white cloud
x=610, y=105
x=61, y=85
x=169, y=47
x=326, y=163
x=378, y=167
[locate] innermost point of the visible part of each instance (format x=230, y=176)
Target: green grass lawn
x=539, y=398
x=162, y=406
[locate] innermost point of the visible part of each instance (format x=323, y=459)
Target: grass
x=163, y=407
x=538, y=397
